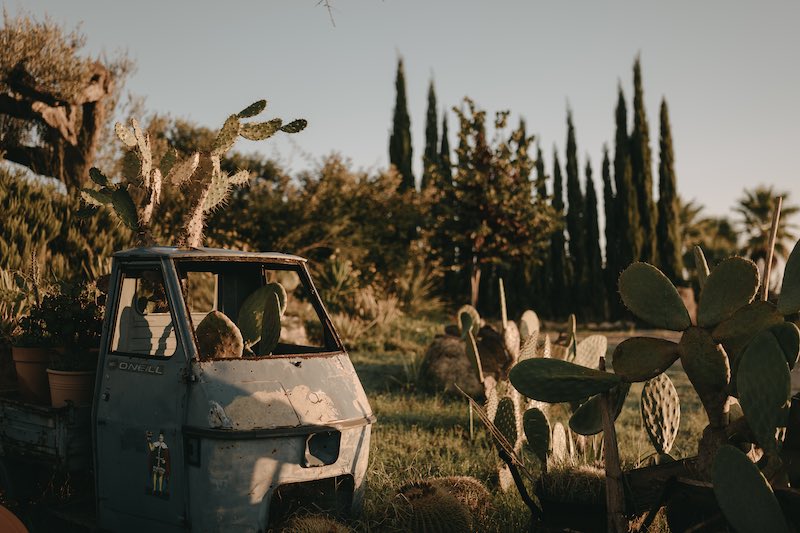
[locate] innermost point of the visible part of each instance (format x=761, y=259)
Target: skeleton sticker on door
x=158, y=465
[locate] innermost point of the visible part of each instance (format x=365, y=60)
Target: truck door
x=140, y=465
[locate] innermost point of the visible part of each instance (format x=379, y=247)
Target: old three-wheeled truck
x=224, y=400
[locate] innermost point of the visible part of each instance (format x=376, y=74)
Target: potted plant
x=74, y=318
x=30, y=350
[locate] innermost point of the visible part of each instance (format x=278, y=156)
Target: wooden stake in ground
x=615, y=492
x=773, y=233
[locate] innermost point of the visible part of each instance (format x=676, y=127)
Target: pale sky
x=730, y=71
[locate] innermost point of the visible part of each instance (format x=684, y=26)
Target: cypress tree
x=611, y=211
x=400, y=140
x=627, y=220
x=668, y=230
x=444, y=152
x=541, y=177
x=576, y=226
x=430, y=158
x=558, y=260
x=543, y=275
x=641, y=164
x=596, y=290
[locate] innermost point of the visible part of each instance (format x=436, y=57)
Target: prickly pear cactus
x=528, y=324
x=706, y=365
x=252, y=311
x=642, y=358
x=789, y=300
x=764, y=386
x=650, y=295
x=537, y=433
x=589, y=351
x=554, y=381
x=511, y=340
x=731, y=285
x=218, y=337
x=744, y=495
x=560, y=452
x=588, y=418
x=661, y=412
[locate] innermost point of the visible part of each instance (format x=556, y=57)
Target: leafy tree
x=629, y=243
x=430, y=159
x=668, y=232
x=755, y=208
x=715, y=235
x=576, y=225
x=612, y=268
x=496, y=222
x=400, y=140
x=642, y=169
x=55, y=104
x=595, y=284
x=558, y=256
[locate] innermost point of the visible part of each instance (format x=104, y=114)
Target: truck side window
x=143, y=323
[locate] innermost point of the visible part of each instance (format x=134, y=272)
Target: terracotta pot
x=31, y=365
x=75, y=386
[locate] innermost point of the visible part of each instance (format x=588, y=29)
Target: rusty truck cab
x=186, y=441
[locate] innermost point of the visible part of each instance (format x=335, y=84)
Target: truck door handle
x=106, y=396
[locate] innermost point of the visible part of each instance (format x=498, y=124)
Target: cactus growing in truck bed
x=199, y=176
x=260, y=317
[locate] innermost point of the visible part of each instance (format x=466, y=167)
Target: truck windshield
x=249, y=309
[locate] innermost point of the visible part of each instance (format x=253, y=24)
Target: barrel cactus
x=428, y=507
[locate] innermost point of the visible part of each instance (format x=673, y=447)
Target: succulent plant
x=260, y=317
x=587, y=419
x=199, y=176
x=554, y=381
x=218, y=337
x=427, y=507
x=313, y=523
x=537, y=433
x=560, y=451
x=528, y=324
x=744, y=495
x=661, y=412
x=470, y=492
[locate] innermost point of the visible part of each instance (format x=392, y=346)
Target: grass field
x=420, y=435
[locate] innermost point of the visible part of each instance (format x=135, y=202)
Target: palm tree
x=715, y=235
x=755, y=208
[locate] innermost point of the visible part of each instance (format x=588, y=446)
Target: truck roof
x=173, y=252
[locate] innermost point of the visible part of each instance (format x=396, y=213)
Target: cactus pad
x=468, y=320
x=651, y=296
x=789, y=300
x=474, y=356
x=218, y=337
x=590, y=350
x=706, y=365
x=511, y=340
x=528, y=324
x=125, y=208
x=701, y=266
x=295, y=126
x=271, y=324
x=788, y=336
x=764, y=385
x=182, y=171
x=560, y=450
x=253, y=109
x=240, y=178
x=642, y=358
x=93, y=197
x=588, y=418
x=98, y=177
x=528, y=348
x=251, y=313
x=661, y=412
x=746, y=322
x=554, y=381
x=537, y=433
x=744, y=495
x=125, y=135
x=226, y=136
x=731, y=285
x=258, y=131
x=506, y=420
